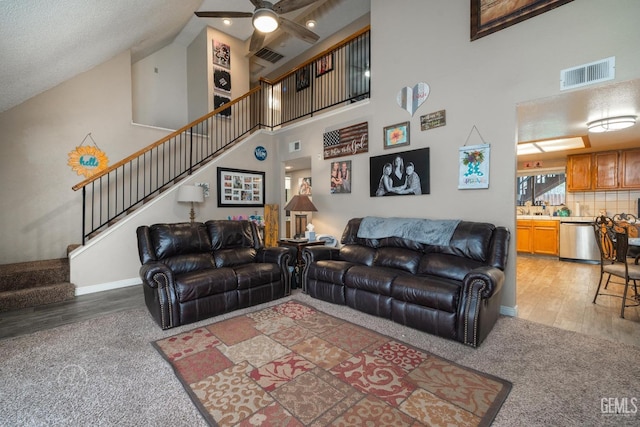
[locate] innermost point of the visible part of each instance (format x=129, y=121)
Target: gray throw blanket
x=429, y=231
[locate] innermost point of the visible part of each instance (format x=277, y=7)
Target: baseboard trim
x=84, y=290
x=509, y=311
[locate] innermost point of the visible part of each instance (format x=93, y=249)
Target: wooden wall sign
x=87, y=160
x=346, y=141
x=433, y=120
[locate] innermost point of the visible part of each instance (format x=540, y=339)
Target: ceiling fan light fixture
x=265, y=20
x=611, y=124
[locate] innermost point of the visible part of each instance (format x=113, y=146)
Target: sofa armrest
x=317, y=253
x=479, y=304
x=486, y=280
x=160, y=295
x=275, y=255
x=156, y=275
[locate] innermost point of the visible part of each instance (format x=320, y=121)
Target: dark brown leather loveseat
x=192, y=271
x=451, y=290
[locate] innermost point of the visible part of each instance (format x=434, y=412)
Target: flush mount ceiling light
x=611, y=124
x=265, y=20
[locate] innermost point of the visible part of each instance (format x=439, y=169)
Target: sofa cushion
x=445, y=265
x=226, y=234
x=372, y=279
x=427, y=291
x=330, y=271
x=202, y=283
x=358, y=254
x=233, y=257
x=256, y=274
x=472, y=240
x=181, y=264
x=402, y=259
x=179, y=239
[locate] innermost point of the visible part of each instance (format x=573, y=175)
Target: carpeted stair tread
x=24, y=275
x=31, y=297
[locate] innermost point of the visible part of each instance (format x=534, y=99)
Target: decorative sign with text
x=346, y=141
x=433, y=120
x=87, y=160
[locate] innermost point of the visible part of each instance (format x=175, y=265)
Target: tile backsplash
x=612, y=202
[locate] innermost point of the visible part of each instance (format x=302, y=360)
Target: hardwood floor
x=551, y=292
x=560, y=294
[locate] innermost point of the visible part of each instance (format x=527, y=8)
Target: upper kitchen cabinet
x=605, y=170
x=579, y=172
x=630, y=169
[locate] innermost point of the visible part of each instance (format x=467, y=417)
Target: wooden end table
x=299, y=265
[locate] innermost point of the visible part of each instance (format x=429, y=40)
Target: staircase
x=29, y=284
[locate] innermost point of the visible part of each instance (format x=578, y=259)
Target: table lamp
x=191, y=194
x=300, y=203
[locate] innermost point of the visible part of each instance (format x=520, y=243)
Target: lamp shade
x=191, y=193
x=300, y=204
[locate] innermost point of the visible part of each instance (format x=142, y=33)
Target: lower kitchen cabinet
x=537, y=236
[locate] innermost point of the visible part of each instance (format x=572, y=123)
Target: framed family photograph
x=489, y=16
x=406, y=173
x=240, y=188
x=396, y=135
x=302, y=78
x=324, y=65
x=341, y=177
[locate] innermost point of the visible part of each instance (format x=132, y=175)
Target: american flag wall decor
x=346, y=141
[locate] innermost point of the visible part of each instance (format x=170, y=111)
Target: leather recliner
x=193, y=271
x=452, y=291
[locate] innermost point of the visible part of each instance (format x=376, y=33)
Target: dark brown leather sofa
x=452, y=291
x=193, y=271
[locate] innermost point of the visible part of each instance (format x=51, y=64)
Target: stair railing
x=336, y=76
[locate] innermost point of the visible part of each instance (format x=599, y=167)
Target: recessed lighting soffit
x=551, y=145
x=611, y=124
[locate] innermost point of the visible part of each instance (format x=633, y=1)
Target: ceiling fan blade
x=257, y=40
x=298, y=30
x=259, y=4
x=284, y=6
x=205, y=14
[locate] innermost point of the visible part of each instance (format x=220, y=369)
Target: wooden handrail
x=162, y=141
x=316, y=57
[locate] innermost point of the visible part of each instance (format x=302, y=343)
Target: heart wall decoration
x=412, y=98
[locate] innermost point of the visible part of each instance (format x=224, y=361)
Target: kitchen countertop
x=558, y=218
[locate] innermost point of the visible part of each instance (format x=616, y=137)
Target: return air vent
x=583, y=75
x=269, y=55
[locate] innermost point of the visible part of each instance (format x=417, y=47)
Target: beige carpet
x=292, y=365
x=106, y=372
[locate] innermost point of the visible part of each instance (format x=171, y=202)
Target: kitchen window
x=543, y=189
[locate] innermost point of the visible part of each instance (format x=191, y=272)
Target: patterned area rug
x=292, y=365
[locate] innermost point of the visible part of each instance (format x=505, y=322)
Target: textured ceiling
x=45, y=42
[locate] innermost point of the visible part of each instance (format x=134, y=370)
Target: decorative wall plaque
x=346, y=141
x=433, y=120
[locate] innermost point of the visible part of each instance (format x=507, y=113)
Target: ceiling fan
x=266, y=19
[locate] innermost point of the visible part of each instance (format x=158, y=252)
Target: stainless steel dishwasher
x=578, y=242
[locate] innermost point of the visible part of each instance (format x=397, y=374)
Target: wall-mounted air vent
x=269, y=55
x=587, y=74
x=294, y=146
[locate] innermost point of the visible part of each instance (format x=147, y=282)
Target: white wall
x=159, y=84
x=41, y=215
x=477, y=83
x=111, y=259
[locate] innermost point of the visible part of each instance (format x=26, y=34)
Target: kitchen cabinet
x=524, y=233
x=630, y=169
x=537, y=236
x=605, y=170
x=579, y=172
